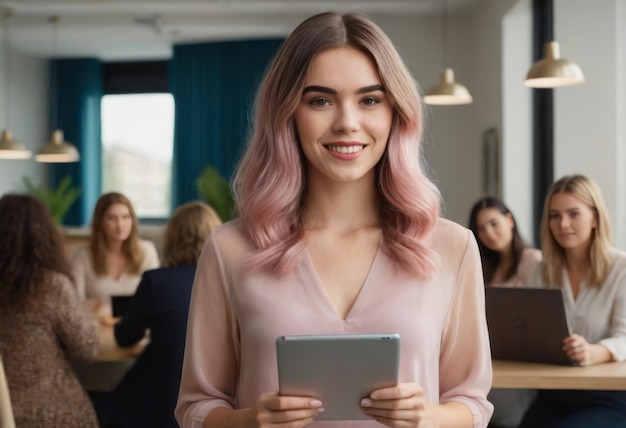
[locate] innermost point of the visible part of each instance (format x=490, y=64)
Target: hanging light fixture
x=56, y=150
x=553, y=71
x=447, y=91
x=9, y=148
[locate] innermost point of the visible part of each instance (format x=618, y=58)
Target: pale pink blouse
x=236, y=316
x=531, y=257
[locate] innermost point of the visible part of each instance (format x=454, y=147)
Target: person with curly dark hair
x=42, y=324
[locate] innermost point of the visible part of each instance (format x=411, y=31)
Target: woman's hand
x=585, y=353
x=400, y=406
x=577, y=349
x=288, y=412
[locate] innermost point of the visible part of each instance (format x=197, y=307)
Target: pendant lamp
x=56, y=150
x=447, y=91
x=553, y=71
x=9, y=148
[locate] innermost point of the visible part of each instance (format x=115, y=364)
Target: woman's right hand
x=289, y=412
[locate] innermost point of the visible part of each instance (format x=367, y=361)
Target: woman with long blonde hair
x=580, y=259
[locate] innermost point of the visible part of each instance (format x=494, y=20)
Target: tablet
x=340, y=370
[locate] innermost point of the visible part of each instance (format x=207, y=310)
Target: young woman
x=339, y=233
x=115, y=258
x=579, y=258
x=42, y=325
x=147, y=394
x=507, y=259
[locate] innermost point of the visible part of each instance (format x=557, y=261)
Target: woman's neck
x=577, y=260
x=343, y=207
x=115, y=247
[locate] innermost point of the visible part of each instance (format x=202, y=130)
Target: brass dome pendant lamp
x=553, y=71
x=9, y=148
x=447, y=91
x=56, y=150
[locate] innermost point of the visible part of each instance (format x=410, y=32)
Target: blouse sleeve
x=72, y=325
x=616, y=342
x=210, y=373
x=465, y=361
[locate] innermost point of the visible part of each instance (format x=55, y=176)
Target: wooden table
x=517, y=374
x=108, y=350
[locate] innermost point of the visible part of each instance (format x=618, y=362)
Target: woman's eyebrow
x=327, y=90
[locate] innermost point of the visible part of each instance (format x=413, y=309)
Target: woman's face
x=344, y=117
x=117, y=223
x=495, y=230
x=571, y=221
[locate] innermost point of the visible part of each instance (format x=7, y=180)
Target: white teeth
x=345, y=149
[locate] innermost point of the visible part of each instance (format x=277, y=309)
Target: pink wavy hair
x=269, y=184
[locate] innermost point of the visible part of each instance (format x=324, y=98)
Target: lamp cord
x=54, y=21
x=7, y=67
x=444, y=33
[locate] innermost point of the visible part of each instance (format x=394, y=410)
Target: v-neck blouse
x=237, y=314
x=598, y=313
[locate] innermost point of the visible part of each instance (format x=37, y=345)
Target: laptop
x=119, y=304
x=527, y=324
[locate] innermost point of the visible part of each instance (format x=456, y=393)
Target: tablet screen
x=339, y=370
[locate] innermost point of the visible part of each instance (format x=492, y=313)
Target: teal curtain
x=214, y=85
x=75, y=96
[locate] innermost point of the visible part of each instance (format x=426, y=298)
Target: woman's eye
x=371, y=101
x=320, y=102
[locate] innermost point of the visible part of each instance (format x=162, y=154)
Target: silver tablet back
x=340, y=370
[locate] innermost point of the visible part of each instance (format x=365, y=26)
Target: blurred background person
x=147, y=394
x=42, y=324
x=115, y=258
x=580, y=259
x=507, y=261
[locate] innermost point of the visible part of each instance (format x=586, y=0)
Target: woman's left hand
x=399, y=406
x=577, y=349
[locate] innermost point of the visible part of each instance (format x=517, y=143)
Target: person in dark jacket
x=147, y=394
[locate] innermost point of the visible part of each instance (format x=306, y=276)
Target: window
x=137, y=149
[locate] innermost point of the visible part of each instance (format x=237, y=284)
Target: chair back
x=6, y=411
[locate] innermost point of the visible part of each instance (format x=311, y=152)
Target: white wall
x=589, y=128
x=27, y=96
x=517, y=133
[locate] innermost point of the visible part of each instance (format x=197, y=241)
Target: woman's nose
x=347, y=119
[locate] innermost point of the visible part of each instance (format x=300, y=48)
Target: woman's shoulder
x=449, y=238
x=450, y=232
x=531, y=255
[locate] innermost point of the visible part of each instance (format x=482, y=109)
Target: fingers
x=285, y=411
x=576, y=347
x=400, y=406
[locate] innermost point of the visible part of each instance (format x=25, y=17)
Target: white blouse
x=598, y=313
x=91, y=286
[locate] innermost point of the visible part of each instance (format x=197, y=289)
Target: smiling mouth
x=346, y=149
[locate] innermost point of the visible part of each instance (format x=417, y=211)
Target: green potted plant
x=215, y=190
x=58, y=200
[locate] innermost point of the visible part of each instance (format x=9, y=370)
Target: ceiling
x=146, y=29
